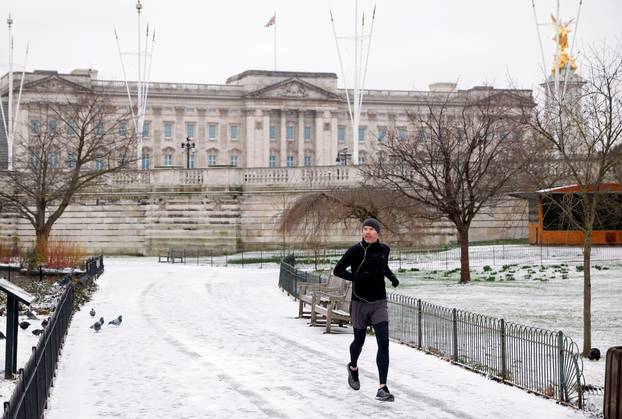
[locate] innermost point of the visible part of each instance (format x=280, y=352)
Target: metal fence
x=289, y=277
x=538, y=360
x=93, y=267
x=33, y=384
x=433, y=260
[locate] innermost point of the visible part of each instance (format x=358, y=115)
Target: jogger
x=368, y=263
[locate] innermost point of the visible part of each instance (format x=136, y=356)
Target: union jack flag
x=271, y=22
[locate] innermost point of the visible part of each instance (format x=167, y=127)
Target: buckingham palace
x=257, y=118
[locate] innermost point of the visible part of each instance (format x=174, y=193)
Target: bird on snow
x=117, y=321
x=37, y=332
x=98, y=324
x=24, y=325
x=92, y=312
x=31, y=315
x=45, y=322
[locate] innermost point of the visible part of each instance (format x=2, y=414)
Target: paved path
x=202, y=342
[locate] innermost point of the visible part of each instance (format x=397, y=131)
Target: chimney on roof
x=85, y=72
x=443, y=87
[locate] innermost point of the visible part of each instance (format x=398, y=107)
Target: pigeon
x=117, y=321
x=45, y=322
x=37, y=332
x=92, y=312
x=24, y=325
x=31, y=315
x=98, y=324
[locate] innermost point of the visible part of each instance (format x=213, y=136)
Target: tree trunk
x=41, y=245
x=587, y=294
x=465, y=271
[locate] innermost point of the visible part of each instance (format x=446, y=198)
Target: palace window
x=211, y=131
x=272, y=132
x=272, y=160
x=233, y=160
x=168, y=159
x=307, y=160
x=290, y=132
x=168, y=130
x=145, y=161
x=341, y=135
x=146, y=126
x=361, y=134
x=190, y=130
x=211, y=160
x=234, y=132
x=382, y=133
x=290, y=161
x=307, y=133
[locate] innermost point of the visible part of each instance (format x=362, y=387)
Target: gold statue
x=561, y=36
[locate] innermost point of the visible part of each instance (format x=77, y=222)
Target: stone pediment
x=293, y=88
x=53, y=83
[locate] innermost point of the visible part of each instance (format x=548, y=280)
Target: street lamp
x=188, y=145
x=343, y=156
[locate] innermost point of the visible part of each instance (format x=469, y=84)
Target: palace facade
x=256, y=119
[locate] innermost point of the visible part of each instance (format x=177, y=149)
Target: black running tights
x=382, y=357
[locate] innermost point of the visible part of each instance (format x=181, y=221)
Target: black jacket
x=369, y=264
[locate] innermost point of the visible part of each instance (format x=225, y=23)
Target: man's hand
x=395, y=282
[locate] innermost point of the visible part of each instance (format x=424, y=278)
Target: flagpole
x=274, y=41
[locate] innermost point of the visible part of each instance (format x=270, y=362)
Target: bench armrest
x=304, y=286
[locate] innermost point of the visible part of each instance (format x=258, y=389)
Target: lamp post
x=188, y=145
x=343, y=156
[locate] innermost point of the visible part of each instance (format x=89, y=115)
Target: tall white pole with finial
x=11, y=117
x=144, y=59
x=360, y=72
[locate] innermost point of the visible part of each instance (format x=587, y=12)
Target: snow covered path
x=201, y=342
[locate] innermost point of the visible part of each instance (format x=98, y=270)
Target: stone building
x=256, y=119
x=262, y=139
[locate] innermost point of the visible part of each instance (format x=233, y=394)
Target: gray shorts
x=367, y=314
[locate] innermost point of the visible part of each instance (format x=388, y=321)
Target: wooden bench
x=333, y=306
x=306, y=293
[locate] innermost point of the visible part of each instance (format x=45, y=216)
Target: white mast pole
x=574, y=37
x=9, y=137
x=557, y=55
x=535, y=18
x=275, y=23
x=139, y=99
x=357, y=109
x=343, y=73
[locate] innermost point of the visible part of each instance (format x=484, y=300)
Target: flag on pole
x=271, y=22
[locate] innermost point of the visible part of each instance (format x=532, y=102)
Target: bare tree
x=311, y=216
x=458, y=155
x=67, y=148
x=584, y=128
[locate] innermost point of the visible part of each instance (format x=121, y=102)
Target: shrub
x=487, y=268
x=63, y=253
x=579, y=268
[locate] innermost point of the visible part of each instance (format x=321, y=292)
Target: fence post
x=494, y=262
x=562, y=378
x=260, y=259
x=454, y=319
x=419, y=324
x=612, y=400
x=504, y=361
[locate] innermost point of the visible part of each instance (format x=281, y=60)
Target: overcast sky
x=415, y=42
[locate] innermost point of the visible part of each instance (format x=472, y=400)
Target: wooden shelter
x=552, y=211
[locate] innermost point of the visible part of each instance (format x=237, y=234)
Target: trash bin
x=612, y=403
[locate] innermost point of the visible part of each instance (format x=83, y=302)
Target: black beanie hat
x=372, y=222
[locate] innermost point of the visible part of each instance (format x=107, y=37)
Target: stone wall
x=223, y=210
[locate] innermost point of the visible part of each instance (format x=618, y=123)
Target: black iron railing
x=33, y=383
x=542, y=361
x=93, y=267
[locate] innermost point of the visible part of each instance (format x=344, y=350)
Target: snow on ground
x=200, y=342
